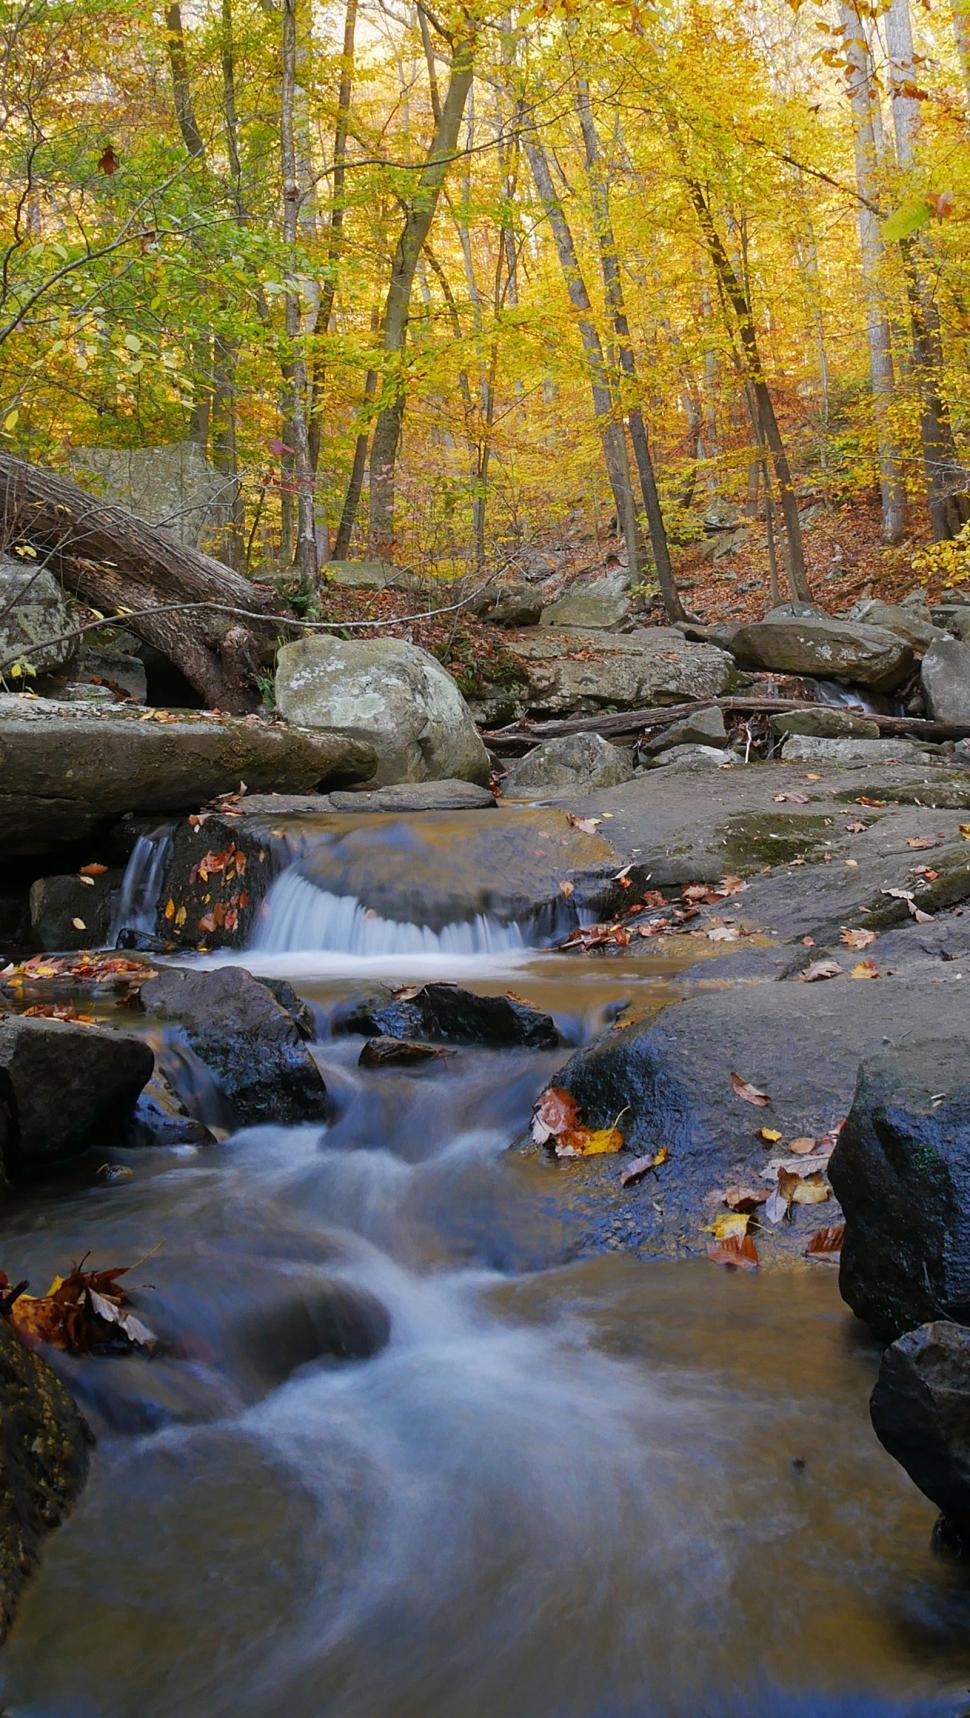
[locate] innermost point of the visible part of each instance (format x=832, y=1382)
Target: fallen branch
x=622, y=722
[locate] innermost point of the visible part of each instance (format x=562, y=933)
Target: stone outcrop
x=572, y=764
x=33, y=615
x=827, y=646
x=945, y=675
x=583, y=671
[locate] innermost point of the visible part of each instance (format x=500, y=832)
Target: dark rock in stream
x=43, y=1462
x=72, y=911
x=449, y=1015
x=902, y=1171
x=920, y=1411
x=248, y=1039
x=64, y=1087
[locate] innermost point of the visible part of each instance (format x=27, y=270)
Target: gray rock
x=57, y=902
x=807, y=749
x=416, y=796
x=249, y=1041
x=920, y=1412
x=688, y=757
x=116, y=668
x=389, y=694
x=43, y=1463
x=33, y=614
x=908, y=621
x=825, y=723
x=946, y=681
x=602, y=603
x=902, y=1171
x=446, y=1014
x=81, y=692
x=704, y=728
x=173, y=486
x=572, y=763
x=953, y=618
x=513, y=603
x=820, y=644
x=371, y=576
x=63, y=1087
x=65, y=769
x=581, y=671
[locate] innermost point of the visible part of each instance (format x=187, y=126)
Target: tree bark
x=114, y=562
x=662, y=715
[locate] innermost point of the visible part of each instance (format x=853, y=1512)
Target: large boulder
x=946, y=681
x=446, y=1014
x=370, y=576
x=580, y=671
x=703, y=728
x=830, y=646
x=573, y=763
x=249, y=1040
x=34, y=616
x=602, y=603
x=391, y=695
x=66, y=769
x=172, y=485
x=920, y=1411
x=910, y=621
x=811, y=749
x=43, y=1462
x=63, y=1086
x=73, y=911
x=513, y=603
x=902, y=1172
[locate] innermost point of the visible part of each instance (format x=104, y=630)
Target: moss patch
x=753, y=840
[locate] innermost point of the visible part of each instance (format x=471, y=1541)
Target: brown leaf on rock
x=857, y=939
x=384, y=1052
x=820, y=969
x=738, y=1250
x=802, y=1145
x=555, y=1113
x=825, y=1245
x=865, y=969
x=642, y=1166
x=751, y=1095
x=92, y=870
x=745, y=1199
x=587, y=825
x=921, y=843
x=588, y=1141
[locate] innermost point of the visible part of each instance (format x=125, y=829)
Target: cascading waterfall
x=141, y=885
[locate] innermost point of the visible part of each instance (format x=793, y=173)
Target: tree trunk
x=613, y=286
x=611, y=433
x=306, y=544
x=417, y=225
x=328, y=291
x=116, y=562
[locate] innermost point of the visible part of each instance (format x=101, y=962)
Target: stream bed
x=560, y=1488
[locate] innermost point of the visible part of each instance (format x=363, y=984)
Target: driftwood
x=114, y=561
x=623, y=722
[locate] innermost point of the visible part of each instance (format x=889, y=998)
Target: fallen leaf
x=865, y=969
x=588, y=1142
x=820, y=969
x=555, y=1113
x=642, y=1166
x=751, y=1095
x=87, y=881
x=920, y=843
x=738, y=1250
x=567, y=889
x=79, y=924
x=825, y=1245
x=856, y=828
x=728, y=1223
x=93, y=870
x=790, y=798
x=770, y=1135
x=857, y=939
x=811, y=1190
x=864, y=799
x=722, y=934
x=801, y=1145
x=587, y=825
x=745, y=1198
x=382, y=1052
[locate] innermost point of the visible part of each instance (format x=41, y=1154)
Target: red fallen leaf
x=696, y=891
x=556, y=1112
x=108, y=160
x=92, y=870
x=243, y=899
x=738, y=1250
x=751, y=1095
x=926, y=872
x=79, y=1312
x=206, y=924
x=826, y=1244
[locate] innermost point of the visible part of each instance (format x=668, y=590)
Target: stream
x=564, y=1488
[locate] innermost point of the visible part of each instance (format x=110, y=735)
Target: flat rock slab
x=417, y=796
x=832, y=647
x=669, y=1083
x=583, y=671
x=66, y=769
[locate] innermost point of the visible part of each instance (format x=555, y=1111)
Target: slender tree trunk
x=611, y=433
x=878, y=331
x=613, y=287
x=335, y=236
x=961, y=35
x=306, y=546
x=417, y=225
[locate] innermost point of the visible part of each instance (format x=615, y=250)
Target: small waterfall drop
x=297, y=917
x=141, y=885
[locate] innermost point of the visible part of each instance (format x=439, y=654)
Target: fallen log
x=625, y=722
x=115, y=562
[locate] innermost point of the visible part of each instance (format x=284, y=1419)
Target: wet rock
x=833, y=647
x=417, y=796
x=70, y=913
x=64, y=1087
x=160, y=1118
x=43, y=1463
x=389, y=694
x=447, y=1014
x=692, y=757
x=66, y=769
x=920, y=1411
x=704, y=728
x=514, y=603
x=807, y=749
x=574, y=762
x=945, y=676
x=602, y=603
x=910, y=621
x=902, y=1172
x=33, y=616
x=251, y=1043
x=581, y=671
x=825, y=723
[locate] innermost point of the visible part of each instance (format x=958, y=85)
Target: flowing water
x=564, y=1488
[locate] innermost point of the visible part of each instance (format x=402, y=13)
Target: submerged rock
x=43, y=1462
x=902, y=1172
x=447, y=1014
x=251, y=1043
x=390, y=695
x=33, y=616
x=579, y=671
x=920, y=1412
x=570, y=764
x=64, y=1087
x=826, y=645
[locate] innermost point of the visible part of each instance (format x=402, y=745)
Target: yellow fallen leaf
x=770, y=1135
x=811, y=1190
x=728, y=1223
x=180, y=918
x=589, y=1141
x=79, y=924
x=865, y=969
x=170, y=908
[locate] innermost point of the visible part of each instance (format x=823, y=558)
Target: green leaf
x=908, y=218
